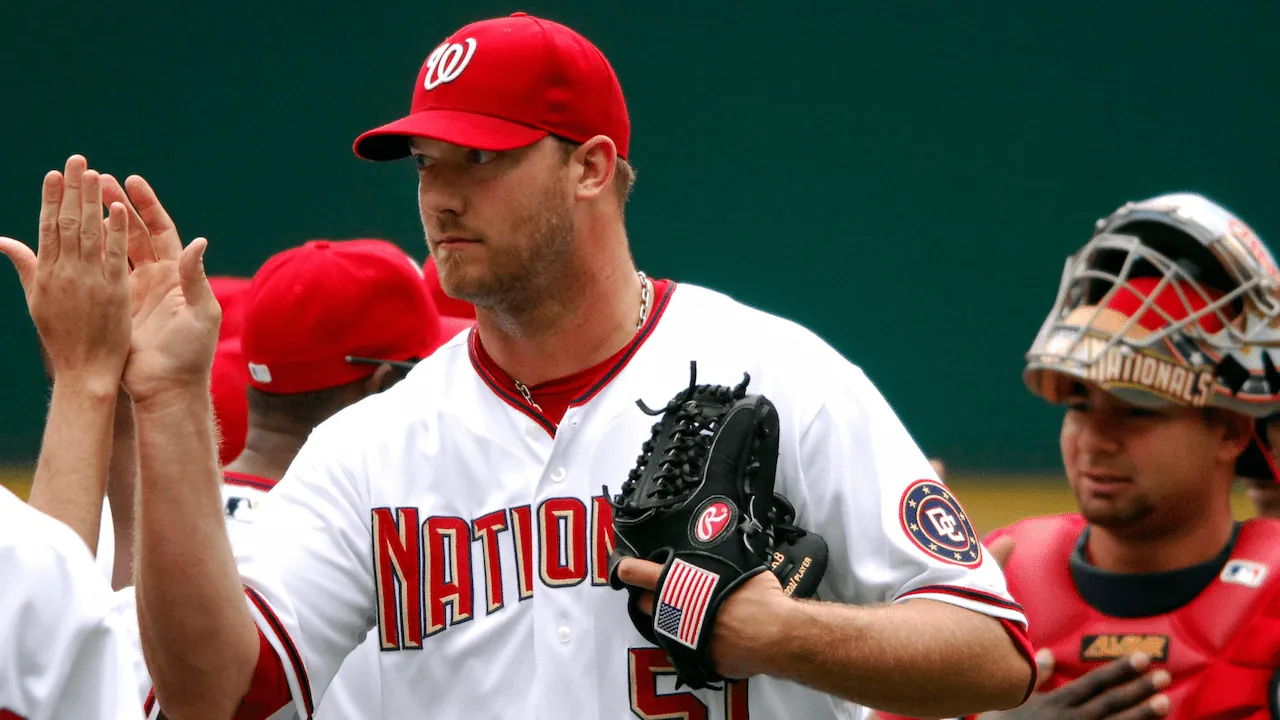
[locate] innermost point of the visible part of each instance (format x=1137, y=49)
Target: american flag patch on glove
x=682, y=604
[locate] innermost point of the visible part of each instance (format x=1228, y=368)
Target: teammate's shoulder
x=1259, y=535
x=19, y=521
x=719, y=318
x=1039, y=526
x=36, y=550
x=1269, y=527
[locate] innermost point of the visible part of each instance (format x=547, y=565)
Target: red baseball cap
x=448, y=307
x=1130, y=297
x=326, y=313
x=507, y=83
x=230, y=406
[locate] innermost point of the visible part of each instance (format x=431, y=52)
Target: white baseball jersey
x=353, y=693
x=62, y=652
x=105, y=559
x=472, y=533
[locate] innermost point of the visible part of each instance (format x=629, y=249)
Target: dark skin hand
x=1119, y=690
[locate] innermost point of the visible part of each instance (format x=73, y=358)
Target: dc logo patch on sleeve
x=934, y=521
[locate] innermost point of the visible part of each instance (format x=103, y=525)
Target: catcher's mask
x=1173, y=301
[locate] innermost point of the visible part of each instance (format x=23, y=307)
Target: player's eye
x=1077, y=404
x=423, y=162
x=1138, y=413
x=480, y=157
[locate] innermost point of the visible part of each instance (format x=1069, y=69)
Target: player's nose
x=437, y=196
x=1098, y=435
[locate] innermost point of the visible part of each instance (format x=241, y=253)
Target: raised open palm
x=175, y=315
x=77, y=287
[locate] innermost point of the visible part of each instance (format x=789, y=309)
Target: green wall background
x=905, y=178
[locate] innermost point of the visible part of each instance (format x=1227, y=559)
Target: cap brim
x=481, y=132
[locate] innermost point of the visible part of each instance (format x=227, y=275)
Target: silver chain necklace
x=645, y=299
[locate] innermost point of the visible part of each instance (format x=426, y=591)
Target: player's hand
x=1265, y=496
x=1001, y=549
x=743, y=628
x=939, y=469
x=175, y=315
x=77, y=285
x=1118, y=690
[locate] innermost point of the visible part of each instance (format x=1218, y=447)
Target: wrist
x=779, y=636
x=99, y=387
x=161, y=401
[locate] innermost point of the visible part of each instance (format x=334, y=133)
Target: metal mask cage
x=1089, y=280
x=1082, y=328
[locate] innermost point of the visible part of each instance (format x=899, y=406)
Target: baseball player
x=63, y=651
x=1152, y=601
x=459, y=514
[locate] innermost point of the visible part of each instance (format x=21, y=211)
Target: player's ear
x=599, y=159
x=1235, y=430
x=381, y=379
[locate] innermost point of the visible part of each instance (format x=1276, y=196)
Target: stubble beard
x=522, y=276
x=1132, y=516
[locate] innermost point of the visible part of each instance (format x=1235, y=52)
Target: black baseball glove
x=700, y=501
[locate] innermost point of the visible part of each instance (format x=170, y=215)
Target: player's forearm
x=71, y=475
x=122, y=490
x=919, y=658
x=198, y=638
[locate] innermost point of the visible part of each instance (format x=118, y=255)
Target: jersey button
x=533, y=432
x=563, y=634
x=558, y=475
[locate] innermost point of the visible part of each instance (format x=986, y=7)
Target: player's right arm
x=221, y=640
x=197, y=634
x=198, y=637
x=78, y=295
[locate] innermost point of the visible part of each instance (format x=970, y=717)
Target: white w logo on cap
x=447, y=62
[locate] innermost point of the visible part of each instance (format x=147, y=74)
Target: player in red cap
x=327, y=324
x=458, y=514
x=1151, y=601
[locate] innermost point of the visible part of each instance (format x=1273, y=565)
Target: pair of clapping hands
x=115, y=297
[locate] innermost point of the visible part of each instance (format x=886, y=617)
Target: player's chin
x=1114, y=513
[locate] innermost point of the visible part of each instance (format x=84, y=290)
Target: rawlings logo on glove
x=700, y=502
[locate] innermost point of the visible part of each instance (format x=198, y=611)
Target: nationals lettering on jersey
x=423, y=568
x=469, y=532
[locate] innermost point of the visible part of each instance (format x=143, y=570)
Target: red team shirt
x=1215, y=626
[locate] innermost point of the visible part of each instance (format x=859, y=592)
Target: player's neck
x=586, y=322
x=1194, y=543
x=267, y=453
